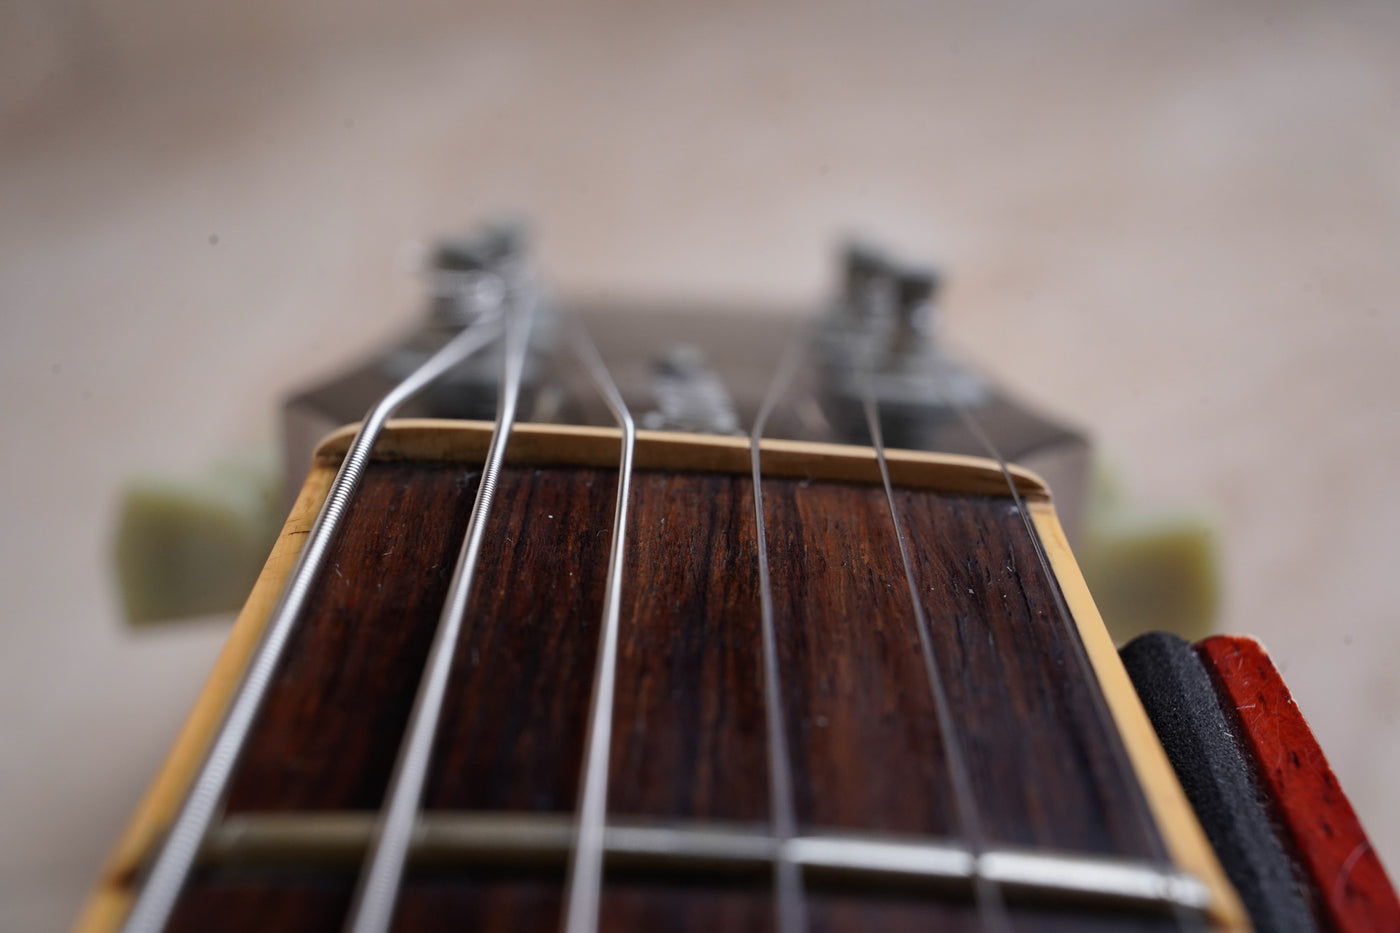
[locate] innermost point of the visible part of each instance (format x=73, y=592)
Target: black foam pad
x=1185, y=710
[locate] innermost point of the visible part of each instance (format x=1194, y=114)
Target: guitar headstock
x=693, y=368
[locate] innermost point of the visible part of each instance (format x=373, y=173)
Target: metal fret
x=377, y=892
x=701, y=851
x=167, y=876
x=991, y=910
x=787, y=873
x=586, y=865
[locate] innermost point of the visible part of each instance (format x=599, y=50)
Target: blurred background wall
x=1175, y=223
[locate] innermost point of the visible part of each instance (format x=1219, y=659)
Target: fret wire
x=377, y=891
x=1185, y=919
x=166, y=880
x=695, y=852
x=585, y=878
x=990, y=906
x=787, y=873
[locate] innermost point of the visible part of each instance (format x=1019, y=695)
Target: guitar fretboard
x=786, y=687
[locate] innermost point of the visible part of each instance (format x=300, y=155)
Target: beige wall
x=1178, y=224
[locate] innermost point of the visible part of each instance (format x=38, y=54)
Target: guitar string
x=1184, y=917
x=167, y=876
x=381, y=878
x=791, y=907
x=991, y=908
x=585, y=878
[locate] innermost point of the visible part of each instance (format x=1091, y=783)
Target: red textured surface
x=1350, y=885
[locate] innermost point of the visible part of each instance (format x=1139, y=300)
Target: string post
x=470, y=274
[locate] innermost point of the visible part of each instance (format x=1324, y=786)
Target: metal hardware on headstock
x=878, y=338
x=466, y=277
x=883, y=321
x=689, y=396
x=705, y=369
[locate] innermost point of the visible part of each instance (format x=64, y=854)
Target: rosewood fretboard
x=689, y=742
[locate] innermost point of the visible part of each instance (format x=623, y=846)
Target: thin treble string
x=1184, y=918
x=791, y=906
x=586, y=863
x=167, y=877
x=991, y=909
x=377, y=892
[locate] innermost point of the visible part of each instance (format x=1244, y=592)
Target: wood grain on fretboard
x=689, y=749
x=689, y=741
